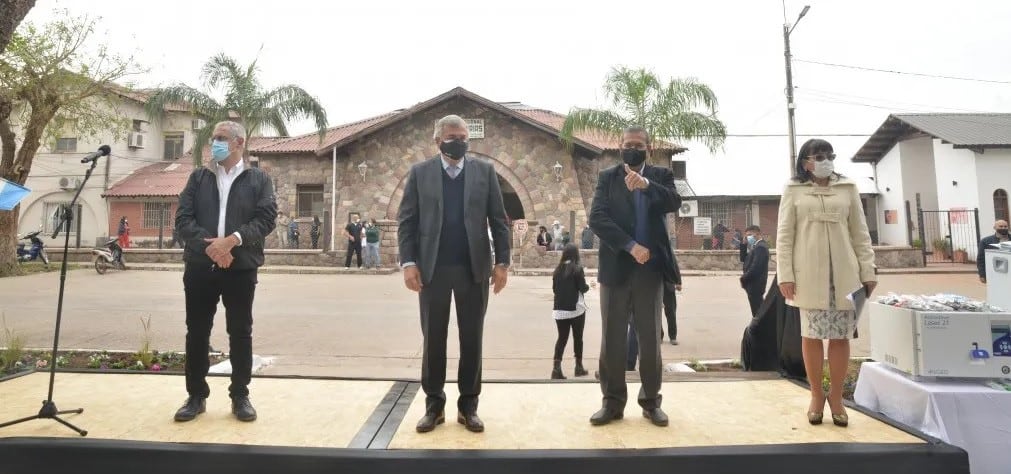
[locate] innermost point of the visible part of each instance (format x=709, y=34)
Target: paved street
x=367, y=325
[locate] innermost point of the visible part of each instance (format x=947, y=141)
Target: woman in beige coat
x=825, y=253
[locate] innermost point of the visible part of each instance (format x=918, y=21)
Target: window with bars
x=173, y=145
x=52, y=214
x=150, y=219
x=309, y=200
x=1000, y=205
x=66, y=145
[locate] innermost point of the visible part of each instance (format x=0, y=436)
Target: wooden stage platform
x=326, y=425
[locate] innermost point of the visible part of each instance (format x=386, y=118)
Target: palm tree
x=682, y=109
x=245, y=101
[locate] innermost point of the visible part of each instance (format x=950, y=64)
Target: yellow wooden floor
x=556, y=416
x=316, y=413
x=329, y=413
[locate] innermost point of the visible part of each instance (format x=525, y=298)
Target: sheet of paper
x=859, y=298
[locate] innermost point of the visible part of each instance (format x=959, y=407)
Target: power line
x=838, y=95
x=919, y=74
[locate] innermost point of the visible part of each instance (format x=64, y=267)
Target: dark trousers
x=756, y=295
x=203, y=288
x=354, y=248
x=670, y=309
x=564, y=325
x=641, y=297
x=457, y=283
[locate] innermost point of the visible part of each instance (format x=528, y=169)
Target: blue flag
x=11, y=194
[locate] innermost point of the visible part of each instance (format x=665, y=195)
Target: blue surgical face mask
x=219, y=151
x=751, y=240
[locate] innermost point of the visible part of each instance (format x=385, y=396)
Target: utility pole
x=790, y=105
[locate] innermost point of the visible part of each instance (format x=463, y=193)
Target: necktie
x=453, y=170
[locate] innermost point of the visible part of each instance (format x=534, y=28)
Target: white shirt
x=459, y=164
x=225, y=180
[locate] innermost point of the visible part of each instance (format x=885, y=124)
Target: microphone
x=103, y=150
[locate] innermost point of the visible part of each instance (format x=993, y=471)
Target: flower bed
x=154, y=361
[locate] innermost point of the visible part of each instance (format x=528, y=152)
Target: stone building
x=361, y=167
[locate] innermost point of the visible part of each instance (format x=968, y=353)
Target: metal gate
x=950, y=236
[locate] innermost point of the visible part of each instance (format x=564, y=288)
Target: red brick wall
x=768, y=215
x=134, y=212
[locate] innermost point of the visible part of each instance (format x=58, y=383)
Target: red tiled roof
x=310, y=142
x=546, y=120
x=166, y=178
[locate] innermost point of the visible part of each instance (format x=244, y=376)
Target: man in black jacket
x=1000, y=235
x=756, y=268
x=225, y=212
x=635, y=261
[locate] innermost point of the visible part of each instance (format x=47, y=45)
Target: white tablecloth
x=968, y=414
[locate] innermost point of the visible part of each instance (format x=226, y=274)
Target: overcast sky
x=368, y=58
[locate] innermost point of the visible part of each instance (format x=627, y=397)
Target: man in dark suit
x=449, y=203
x=353, y=232
x=635, y=261
x=756, y=268
x=1000, y=235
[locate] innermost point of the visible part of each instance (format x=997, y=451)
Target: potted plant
x=961, y=256
x=942, y=246
x=917, y=244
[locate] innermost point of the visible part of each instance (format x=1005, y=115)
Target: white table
x=967, y=414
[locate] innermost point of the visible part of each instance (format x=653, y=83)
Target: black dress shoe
x=656, y=416
x=430, y=421
x=470, y=421
x=605, y=416
x=193, y=407
x=243, y=409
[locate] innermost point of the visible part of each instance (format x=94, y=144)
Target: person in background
x=353, y=232
x=557, y=232
x=1000, y=235
x=544, y=238
x=736, y=240
x=282, y=230
x=756, y=268
x=719, y=236
x=569, y=286
x=372, y=237
x=123, y=233
x=314, y=232
x=587, y=238
x=824, y=251
x=293, y=232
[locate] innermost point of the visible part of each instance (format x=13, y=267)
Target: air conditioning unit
x=68, y=183
x=135, y=140
x=198, y=124
x=689, y=209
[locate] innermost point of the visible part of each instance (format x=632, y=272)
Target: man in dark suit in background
x=449, y=203
x=1000, y=234
x=635, y=261
x=756, y=267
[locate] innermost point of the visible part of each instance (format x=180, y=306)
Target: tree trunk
x=9, y=242
x=11, y=14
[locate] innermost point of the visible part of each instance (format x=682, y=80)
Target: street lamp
x=558, y=171
x=790, y=105
x=362, y=170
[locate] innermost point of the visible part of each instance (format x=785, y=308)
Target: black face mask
x=454, y=149
x=1003, y=232
x=633, y=157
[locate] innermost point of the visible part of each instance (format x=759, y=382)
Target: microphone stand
x=49, y=410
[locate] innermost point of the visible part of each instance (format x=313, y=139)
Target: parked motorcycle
x=36, y=252
x=110, y=256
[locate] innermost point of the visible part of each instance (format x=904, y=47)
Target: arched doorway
x=511, y=199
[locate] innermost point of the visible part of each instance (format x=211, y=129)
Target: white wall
x=958, y=166
x=919, y=172
x=892, y=197
x=993, y=172
x=48, y=167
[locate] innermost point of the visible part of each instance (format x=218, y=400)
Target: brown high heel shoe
x=815, y=417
